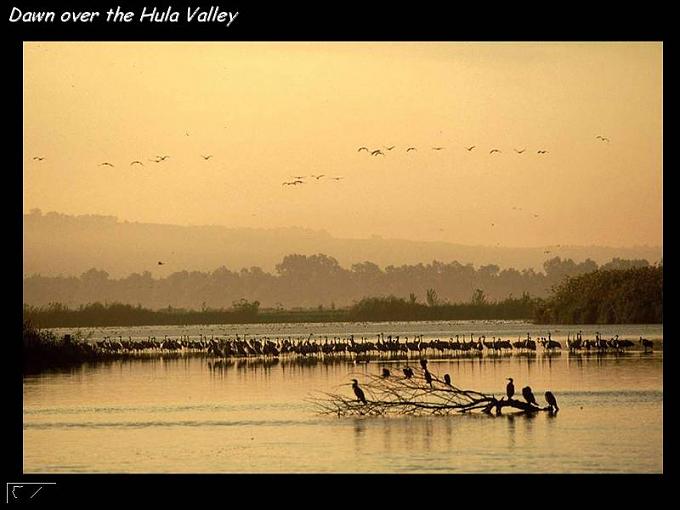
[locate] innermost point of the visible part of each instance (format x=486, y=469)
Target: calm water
x=191, y=415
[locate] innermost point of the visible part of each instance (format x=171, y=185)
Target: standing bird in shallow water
x=447, y=379
x=510, y=388
x=385, y=372
x=358, y=391
x=408, y=372
x=423, y=363
x=551, y=400
x=529, y=395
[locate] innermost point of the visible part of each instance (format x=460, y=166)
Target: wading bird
x=551, y=400
x=510, y=388
x=358, y=391
x=529, y=395
x=647, y=344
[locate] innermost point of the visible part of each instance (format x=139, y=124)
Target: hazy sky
x=271, y=111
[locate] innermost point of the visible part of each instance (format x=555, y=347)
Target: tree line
x=307, y=282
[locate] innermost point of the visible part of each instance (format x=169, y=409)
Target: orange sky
x=269, y=111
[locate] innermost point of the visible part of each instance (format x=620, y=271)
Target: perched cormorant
x=529, y=395
x=423, y=363
x=358, y=391
x=551, y=400
x=408, y=372
x=510, y=388
x=428, y=377
x=385, y=372
x=447, y=379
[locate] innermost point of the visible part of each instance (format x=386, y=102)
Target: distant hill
x=58, y=244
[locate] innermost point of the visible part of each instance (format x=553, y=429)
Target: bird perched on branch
x=358, y=391
x=551, y=400
x=529, y=395
x=385, y=372
x=428, y=377
x=447, y=379
x=510, y=388
x=423, y=363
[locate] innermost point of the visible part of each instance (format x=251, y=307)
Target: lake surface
x=197, y=415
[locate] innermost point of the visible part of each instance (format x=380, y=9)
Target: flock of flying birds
x=157, y=159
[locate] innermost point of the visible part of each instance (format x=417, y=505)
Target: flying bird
x=411, y=149
x=470, y=148
x=298, y=177
x=317, y=177
x=542, y=152
x=136, y=162
x=105, y=163
x=390, y=148
x=363, y=149
x=377, y=152
x=603, y=138
x=207, y=156
x=337, y=178
x=437, y=148
x=161, y=263
x=494, y=150
x=162, y=158
x=519, y=152
x=38, y=158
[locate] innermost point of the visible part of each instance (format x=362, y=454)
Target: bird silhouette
x=428, y=377
x=105, y=163
x=510, y=388
x=542, y=152
x=377, y=152
x=363, y=149
x=551, y=400
x=337, y=178
x=529, y=395
x=38, y=158
x=358, y=391
x=470, y=148
x=423, y=364
x=298, y=177
x=390, y=148
x=411, y=149
x=161, y=263
x=317, y=177
x=519, y=152
x=494, y=150
x=603, y=138
x=447, y=379
x=408, y=372
x=207, y=156
x=162, y=158
x=438, y=148
x=385, y=372
x=136, y=162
